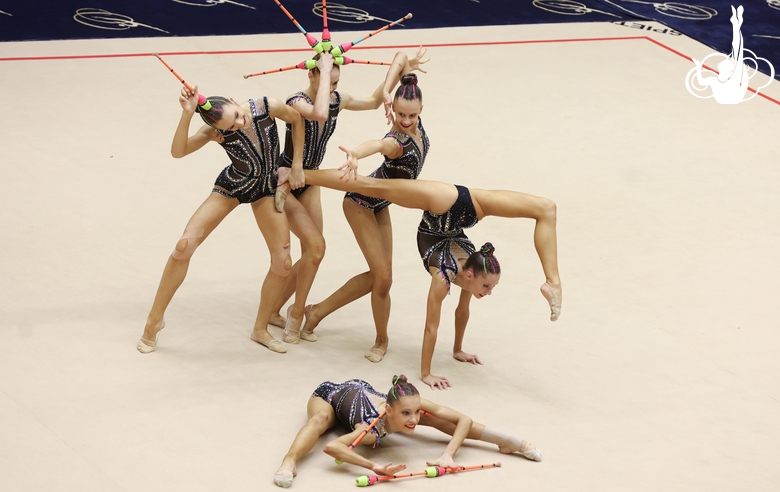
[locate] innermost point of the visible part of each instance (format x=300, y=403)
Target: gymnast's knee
x=281, y=263
x=316, y=251
x=382, y=282
x=188, y=243
x=549, y=209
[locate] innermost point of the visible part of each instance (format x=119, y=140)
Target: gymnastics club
x=201, y=97
x=341, y=49
x=315, y=45
x=363, y=434
x=345, y=60
x=304, y=65
x=430, y=472
x=325, y=32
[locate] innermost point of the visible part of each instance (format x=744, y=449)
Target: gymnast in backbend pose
x=448, y=254
x=319, y=105
x=355, y=405
x=404, y=149
x=248, y=134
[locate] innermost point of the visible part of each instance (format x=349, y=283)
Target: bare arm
x=182, y=143
x=462, y=428
x=462, y=314
x=436, y=295
x=400, y=66
x=339, y=449
x=321, y=108
x=277, y=109
x=387, y=146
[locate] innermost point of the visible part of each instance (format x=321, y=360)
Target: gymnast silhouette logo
x=349, y=15
x=103, y=19
x=730, y=82
x=211, y=3
x=671, y=9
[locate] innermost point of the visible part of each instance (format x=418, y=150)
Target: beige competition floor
x=661, y=374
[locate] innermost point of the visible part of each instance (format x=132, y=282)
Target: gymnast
x=355, y=405
x=319, y=105
x=447, y=253
x=248, y=134
x=404, y=149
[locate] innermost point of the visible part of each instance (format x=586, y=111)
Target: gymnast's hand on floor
x=388, y=469
x=436, y=382
x=464, y=357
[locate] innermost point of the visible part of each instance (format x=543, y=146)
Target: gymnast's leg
x=421, y=194
x=479, y=432
x=321, y=418
x=276, y=232
x=208, y=216
x=514, y=204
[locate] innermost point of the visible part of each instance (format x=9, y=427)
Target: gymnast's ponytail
x=408, y=89
x=401, y=387
x=212, y=109
x=483, y=262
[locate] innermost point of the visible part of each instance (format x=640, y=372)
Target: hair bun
x=487, y=249
x=409, y=79
x=397, y=379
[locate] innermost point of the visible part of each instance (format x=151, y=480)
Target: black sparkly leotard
x=254, y=153
x=350, y=400
x=408, y=166
x=437, y=233
x=316, y=139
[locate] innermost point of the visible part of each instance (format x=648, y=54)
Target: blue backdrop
x=704, y=20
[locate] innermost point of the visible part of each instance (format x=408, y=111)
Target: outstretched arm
x=462, y=424
x=436, y=295
x=277, y=109
x=387, y=146
x=182, y=143
x=339, y=449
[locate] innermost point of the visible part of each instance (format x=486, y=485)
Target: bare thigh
x=317, y=405
x=504, y=203
x=272, y=224
x=311, y=201
x=374, y=238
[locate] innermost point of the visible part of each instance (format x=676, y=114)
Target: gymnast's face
x=405, y=413
x=481, y=285
x=407, y=113
x=233, y=118
x=335, y=74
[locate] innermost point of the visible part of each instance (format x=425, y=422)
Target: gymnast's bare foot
x=554, y=295
x=285, y=474
x=277, y=320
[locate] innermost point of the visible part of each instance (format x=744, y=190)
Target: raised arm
x=321, y=108
x=182, y=143
x=277, y=109
x=436, y=295
x=400, y=66
x=462, y=424
x=339, y=449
